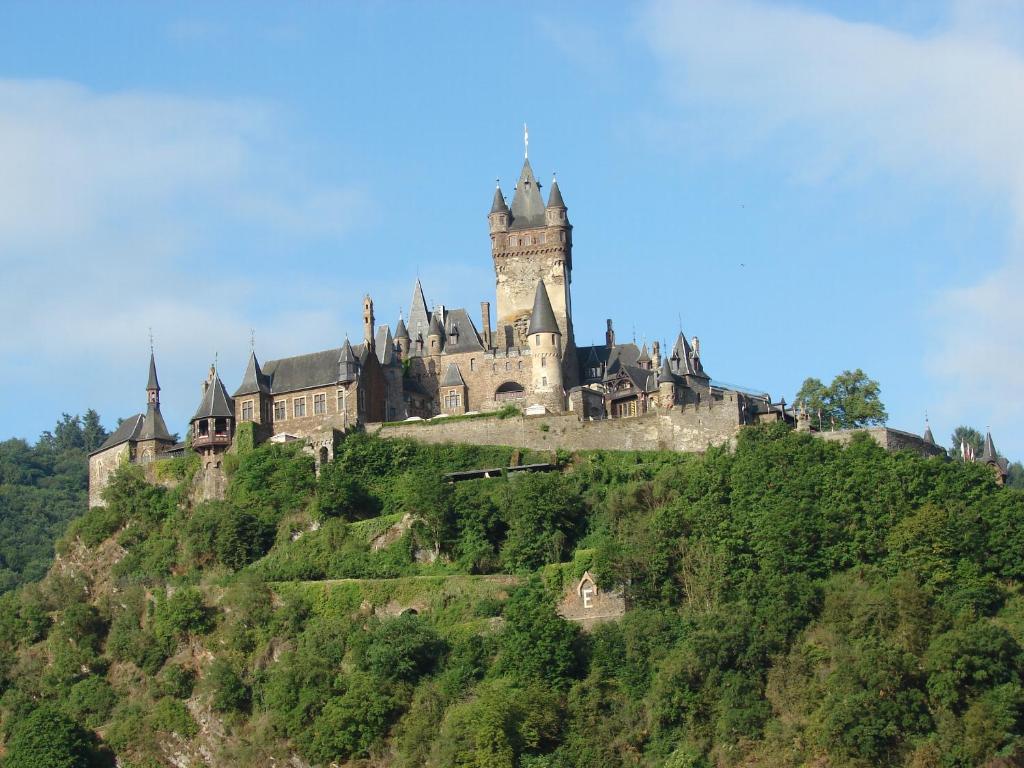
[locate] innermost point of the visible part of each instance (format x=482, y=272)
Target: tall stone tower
x=532, y=242
x=545, y=343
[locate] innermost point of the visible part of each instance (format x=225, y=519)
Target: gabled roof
x=499, y=205
x=610, y=357
x=466, y=339
x=542, y=319
x=527, y=204
x=127, y=430
x=555, y=196
x=254, y=379
x=452, y=377
x=216, y=402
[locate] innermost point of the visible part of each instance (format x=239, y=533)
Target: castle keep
x=438, y=363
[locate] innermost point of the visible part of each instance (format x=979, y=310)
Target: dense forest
x=42, y=488
x=791, y=603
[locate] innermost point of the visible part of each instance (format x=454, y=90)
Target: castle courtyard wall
x=692, y=429
x=890, y=439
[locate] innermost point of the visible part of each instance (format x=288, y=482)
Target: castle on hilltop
x=438, y=363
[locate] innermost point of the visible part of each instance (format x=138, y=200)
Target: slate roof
x=434, y=329
x=127, y=430
x=527, y=204
x=610, y=357
x=401, y=332
x=467, y=339
x=928, y=437
x=153, y=383
x=542, y=319
x=317, y=369
x=555, y=196
x=153, y=426
x=254, y=379
x=499, y=205
x=216, y=402
x=385, y=346
x=665, y=374
x=452, y=377
x=419, y=317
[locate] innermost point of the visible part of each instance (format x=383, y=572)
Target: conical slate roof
x=153, y=383
x=928, y=436
x=527, y=204
x=645, y=356
x=347, y=363
x=419, y=317
x=435, y=327
x=453, y=377
x=216, y=402
x=385, y=346
x=988, y=451
x=555, y=196
x=681, y=356
x=401, y=332
x=499, y=205
x=253, y=381
x=665, y=375
x=542, y=320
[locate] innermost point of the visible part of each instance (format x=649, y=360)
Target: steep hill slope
x=791, y=603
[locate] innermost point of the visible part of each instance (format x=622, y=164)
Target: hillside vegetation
x=793, y=603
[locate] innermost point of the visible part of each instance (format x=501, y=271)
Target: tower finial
x=497, y=183
x=526, y=142
x=252, y=339
x=150, y=339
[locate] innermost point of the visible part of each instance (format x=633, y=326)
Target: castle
x=440, y=364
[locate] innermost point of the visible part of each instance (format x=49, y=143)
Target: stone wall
x=584, y=603
x=101, y=466
x=690, y=429
x=890, y=439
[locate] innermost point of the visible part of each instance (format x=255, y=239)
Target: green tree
x=428, y=498
x=48, y=739
x=851, y=400
x=964, y=435
x=537, y=643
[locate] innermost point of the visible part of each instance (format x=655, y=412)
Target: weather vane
x=151, y=339
x=526, y=142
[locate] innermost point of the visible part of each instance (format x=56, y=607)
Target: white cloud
x=116, y=210
x=943, y=108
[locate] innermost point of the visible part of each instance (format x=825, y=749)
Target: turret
x=348, y=366
x=368, y=322
x=213, y=425
x=402, y=338
x=545, y=342
x=645, y=361
x=153, y=385
x=498, y=218
x=555, y=214
x=252, y=398
x=153, y=436
x=666, y=385
x=434, y=337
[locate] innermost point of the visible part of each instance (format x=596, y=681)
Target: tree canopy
x=851, y=400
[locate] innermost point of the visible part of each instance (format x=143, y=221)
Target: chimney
x=609, y=335
x=656, y=348
x=485, y=316
x=368, y=322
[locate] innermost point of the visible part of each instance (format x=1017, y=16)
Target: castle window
x=247, y=410
x=544, y=381
x=533, y=240
x=552, y=338
x=220, y=426
x=341, y=401
x=320, y=403
x=542, y=238
x=563, y=236
x=472, y=364
x=543, y=362
x=299, y=407
x=452, y=399
x=519, y=365
x=536, y=340
x=280, y=410
x=508, y=366
x=511, y=241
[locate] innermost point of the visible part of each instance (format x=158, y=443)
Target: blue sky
x=808, y=187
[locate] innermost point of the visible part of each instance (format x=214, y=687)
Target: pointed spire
x=253, y=381
x=216, y=402
x=527, y=203
x=665, y=375
x=401, y=332
x=419, y=317
x=542, y=319
x=347, y=363
x=499, y=205
x=928, y=437
x=988, y=451
x=645, y=356
x=153, y=383
x=555, y=195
